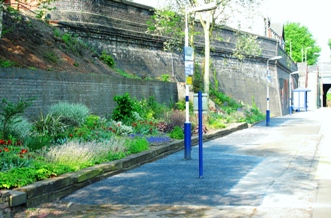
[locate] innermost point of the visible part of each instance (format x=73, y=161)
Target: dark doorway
x=326, y=88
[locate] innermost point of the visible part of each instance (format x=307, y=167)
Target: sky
x=315, y=15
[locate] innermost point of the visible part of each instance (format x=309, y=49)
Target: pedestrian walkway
x=282, y=170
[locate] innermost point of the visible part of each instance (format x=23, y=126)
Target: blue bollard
x=200, y=134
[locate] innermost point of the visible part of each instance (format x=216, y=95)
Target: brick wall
x=95, y=91
x=119, y=28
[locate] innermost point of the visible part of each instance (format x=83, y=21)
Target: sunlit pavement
x=283, y=170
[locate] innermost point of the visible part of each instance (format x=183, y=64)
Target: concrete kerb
x=55, y=188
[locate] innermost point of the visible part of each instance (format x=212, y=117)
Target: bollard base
x=267, y=119
x=187, y=141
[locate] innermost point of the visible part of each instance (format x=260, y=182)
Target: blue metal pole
x=200, y=134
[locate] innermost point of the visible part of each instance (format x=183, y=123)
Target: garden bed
x=63, y=185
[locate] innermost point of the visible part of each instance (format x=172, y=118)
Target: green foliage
x=40, y=170
x=49, y=125
x=73, y=44
x=119, y=129
x=300, y=38
x=13, y=157
x=137, y=145
x=8, y=63
x=51, y=56
x=107, y=59
x=77, y=112
x=144, y=127
x=225, y=102
x=150, y=109
x=10, y=114
x=124, y=109
x=246, y=46
x=177, y=133
x=19, y=128
x=197, y=79
x=93, y=121
x=328, y=96
x=165, y=77
x=166, y=22
x=126, y=75
x=37, y=142
x=181, y=105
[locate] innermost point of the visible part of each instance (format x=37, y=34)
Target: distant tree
x=302, y=43
x=163, y=24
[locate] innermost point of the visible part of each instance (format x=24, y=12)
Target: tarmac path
x=281, y=170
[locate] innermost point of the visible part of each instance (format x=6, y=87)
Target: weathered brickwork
x=95, y=91
x=119, y=28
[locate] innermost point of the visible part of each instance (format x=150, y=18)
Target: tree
x=220, y=16
x=302, y=43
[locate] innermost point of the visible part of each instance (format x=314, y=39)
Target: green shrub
x=177, y=133
x=77, y=112
x=8, y=63
x=136, y=145
x=19, y=128
x=51, y=56
x=144, y=127
x=13, y=157
x=107, y=59
x=93, y=121
x=10, y=114
x=49, y=125
x=37, y=142
x=165, y=77
x=119, y=128
x=124, y=109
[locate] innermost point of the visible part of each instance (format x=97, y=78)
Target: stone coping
x=58, y=187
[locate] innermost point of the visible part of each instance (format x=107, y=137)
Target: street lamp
x=290, y=81
x=268, y=82
x=187, y=124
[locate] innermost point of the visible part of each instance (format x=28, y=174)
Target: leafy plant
x=177, y=133
x=124, y=109
x=10, y=114
x=126, y=75
x=77, y=112
x=19, y=128
x=13, y=157
x=165, y=77
x=50, y=125
x=136, y=145
x=8, y=63
x=37, y=142
x=51, y=56
x=144, y=127
x=107, y=59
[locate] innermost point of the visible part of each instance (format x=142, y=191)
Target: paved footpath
x=283, y=170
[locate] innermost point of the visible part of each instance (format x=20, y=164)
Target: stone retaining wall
x=95, y=91
x=5, y=210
